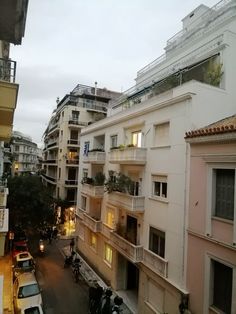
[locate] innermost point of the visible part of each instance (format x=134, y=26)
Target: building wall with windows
x=211, y=266
x=145, y=161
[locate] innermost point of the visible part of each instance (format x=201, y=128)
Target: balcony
x=128, y=155
x=155, y=262
x=72, y=162
x=3, y=196
x=73, y=142
x=127, y=201
x=92, y=190
x=95, y=157
x=133, y=252
x=51, y=161
x=49, y=179
x=80, y=213
x=76, y=123
x=71, y=182
x=106, y=231
x=52, y=144
x=92, y=223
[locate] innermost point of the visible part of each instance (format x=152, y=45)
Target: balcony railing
x=127, y=201
x=73, y=142
x=50, y=161
x=80, y=213
x=106, y=231
x=77, y=122
x=72, y=161
x=7, y=70
x=71, y=182
x=52, y=144
x=130, y=155
x=156, y=263
x=92, y=223
x=131, y=251
x=95, y=157
x=48, y=178
x=92, y=190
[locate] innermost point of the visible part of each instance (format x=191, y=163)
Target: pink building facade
x=211, y=232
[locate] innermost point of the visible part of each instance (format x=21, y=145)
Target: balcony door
x=131, y=229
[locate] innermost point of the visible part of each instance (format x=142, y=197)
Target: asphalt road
x=61, y=295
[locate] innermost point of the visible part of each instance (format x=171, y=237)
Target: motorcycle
x=68, y=260
x=76, y=269
x=117, y=303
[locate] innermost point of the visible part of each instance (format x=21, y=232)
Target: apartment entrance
x=132, y=276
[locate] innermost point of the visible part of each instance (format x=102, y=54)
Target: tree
x=29, y=201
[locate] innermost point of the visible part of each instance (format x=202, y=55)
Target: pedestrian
x=72, y=244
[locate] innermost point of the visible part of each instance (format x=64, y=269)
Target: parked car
x=18, y=247
x=35, y=309
x=23, y=262
x=27, y=294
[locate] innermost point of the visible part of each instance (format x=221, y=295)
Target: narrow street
x=61, y=295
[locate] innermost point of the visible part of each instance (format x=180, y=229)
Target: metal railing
x=7, y=70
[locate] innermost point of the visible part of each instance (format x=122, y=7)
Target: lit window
x=224, y=193
x=159, y=186
x=93, y=241
x=108, y=254
x=110, y=218
x=222, y=277
x=157, y=241
x=137, y=138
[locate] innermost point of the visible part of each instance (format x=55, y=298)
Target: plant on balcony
x=99, y=179
x=118, y=182
x=214, y=73
x=131, y=145
x=87, y=180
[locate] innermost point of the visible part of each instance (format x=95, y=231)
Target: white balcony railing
x=95, y=157
x=91, y=223
x=80, y=213
x=106, y=231
x=92, y=190
x=155, y=262
x=130, y=155
x=131, y=251
x=3, y=196
x=127, y=201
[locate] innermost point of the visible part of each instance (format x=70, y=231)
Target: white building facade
x=134, y=232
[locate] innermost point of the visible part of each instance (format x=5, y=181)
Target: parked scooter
x=76, y=269
x=68, y=260
x=117, y=303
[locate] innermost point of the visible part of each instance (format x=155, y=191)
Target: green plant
x=118, y=182
x=214, y=73
x=131, y=145
x=96, y=150
x=99, y=179
x=87, y=180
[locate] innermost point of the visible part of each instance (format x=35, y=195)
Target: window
x=83, y=202
x=114, y=141
x=157, y=241
x=224, y=193
x=75, y=115
x=93, y=241
x=159, y=186
x=110, y=218
x=137, y=138
x=161, y=134
x=222, y=287
x=108, y=254
x=85, y=173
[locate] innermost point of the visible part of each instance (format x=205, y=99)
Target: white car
x=26, y=294
x=22, y=262
x=37, y=309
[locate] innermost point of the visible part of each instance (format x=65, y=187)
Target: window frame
x=159, y=233
x=108, y=260
x=162, y=179
x=115, y=137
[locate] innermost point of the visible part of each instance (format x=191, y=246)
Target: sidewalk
x=90, y=276
x=6, y=274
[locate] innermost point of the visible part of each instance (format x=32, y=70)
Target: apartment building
x=133, y=196
x=23, y=154
x=211, y=263
x=83, y=106
x=12, y=27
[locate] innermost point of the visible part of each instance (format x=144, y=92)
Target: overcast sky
x=83, y=41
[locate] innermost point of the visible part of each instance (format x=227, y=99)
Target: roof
x=27, y=279
x=226, y=125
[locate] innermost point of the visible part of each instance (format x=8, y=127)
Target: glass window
x=137, y=138
x=157, y=241
x=224, y=193
x=28, y=291
x=86, y=148
x=108, y=254
x=114, y=141
x=83, y=202
x=159, y=186
x=110, y=218
x=93, y=241
x=222, y=287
